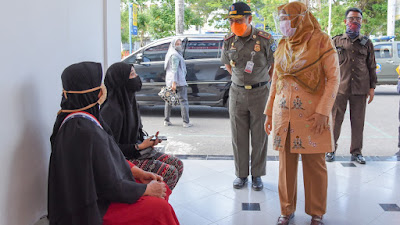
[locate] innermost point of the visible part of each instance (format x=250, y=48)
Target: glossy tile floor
x=205, y=195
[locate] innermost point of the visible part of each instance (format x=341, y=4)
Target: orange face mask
x=238, y=28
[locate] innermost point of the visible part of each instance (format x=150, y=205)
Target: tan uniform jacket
x=237, y=52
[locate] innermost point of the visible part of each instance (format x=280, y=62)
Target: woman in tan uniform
x=303, y=91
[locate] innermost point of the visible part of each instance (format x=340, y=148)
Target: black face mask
x=134, y=84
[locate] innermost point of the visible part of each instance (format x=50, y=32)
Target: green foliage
x=158, y=20
x=374, y=15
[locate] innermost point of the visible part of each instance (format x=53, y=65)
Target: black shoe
x=239, y=182
x=330, y=156
x=257, y=184
x=359, y=158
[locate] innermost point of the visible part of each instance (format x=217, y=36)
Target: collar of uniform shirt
x=346, y=36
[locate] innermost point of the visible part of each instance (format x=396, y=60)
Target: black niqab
x=87, y=169
x=120, y=111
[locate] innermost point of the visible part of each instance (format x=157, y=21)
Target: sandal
x=284, y=220
x=316, y=220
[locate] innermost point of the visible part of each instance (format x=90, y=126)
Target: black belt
x=249, y=87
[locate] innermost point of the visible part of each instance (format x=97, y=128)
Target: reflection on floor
x=357, y=194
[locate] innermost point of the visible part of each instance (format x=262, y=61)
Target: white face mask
x=286, y=28
x=179, y=48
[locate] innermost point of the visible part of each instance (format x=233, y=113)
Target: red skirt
x=148, y=210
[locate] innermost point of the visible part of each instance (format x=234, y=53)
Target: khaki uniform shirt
x=237, y=52
x=357, y=65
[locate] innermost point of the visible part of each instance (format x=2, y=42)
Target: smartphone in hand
x=163, y=138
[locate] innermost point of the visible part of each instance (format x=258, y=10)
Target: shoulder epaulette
x=264, y=35
x=229, y=36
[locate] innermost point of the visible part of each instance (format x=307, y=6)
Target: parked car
x=207, y=77
x=387, y=55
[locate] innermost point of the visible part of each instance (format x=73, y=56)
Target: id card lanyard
x=250, y=64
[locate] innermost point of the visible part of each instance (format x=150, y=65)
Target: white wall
x=38, y=39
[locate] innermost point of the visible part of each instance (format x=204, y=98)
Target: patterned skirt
x=167, y=166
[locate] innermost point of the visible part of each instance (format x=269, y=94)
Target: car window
x=398, y=49
x=130, y=59
x=383, y=51
x=155, y=53
x=202, y=49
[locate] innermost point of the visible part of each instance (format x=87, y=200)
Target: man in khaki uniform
x=357, y=82
x=248, y=57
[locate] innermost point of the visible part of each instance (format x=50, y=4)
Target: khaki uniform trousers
x=357, y=117
x=315, y=181
x=246, y=112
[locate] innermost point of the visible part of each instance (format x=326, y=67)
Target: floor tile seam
x=237, y=200
x=203, y=185
x=377, y=218
x=188, y=209
x=185, y=202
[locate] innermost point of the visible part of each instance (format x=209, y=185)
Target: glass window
x=398, y=50
x=131, y=59
x=155, y=53
x=383, y=50
x=203, y=49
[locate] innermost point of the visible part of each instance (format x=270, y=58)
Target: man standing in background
x=357, y=82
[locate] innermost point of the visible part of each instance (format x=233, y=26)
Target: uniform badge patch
x=257, y=48
x=273, y=46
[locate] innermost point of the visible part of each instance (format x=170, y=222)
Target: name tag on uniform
x=249, y=67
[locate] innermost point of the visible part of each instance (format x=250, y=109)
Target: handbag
x=169, y=96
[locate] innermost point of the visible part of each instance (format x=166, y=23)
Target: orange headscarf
x=299, y=56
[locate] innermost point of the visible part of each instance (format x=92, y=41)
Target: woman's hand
x=144, y=176
x=320, y=122
x=174, y=86
x=268, y=124
x=149, y=143
x=147, y=177
x=156, y=188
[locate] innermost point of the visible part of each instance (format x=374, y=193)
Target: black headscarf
x=87, y=170
x=79, y=77
x=120, y=111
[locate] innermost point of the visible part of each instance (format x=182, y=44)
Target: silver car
x=387, y=55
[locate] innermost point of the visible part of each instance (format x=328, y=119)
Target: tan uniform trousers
x=246, y=111
x=315, y=181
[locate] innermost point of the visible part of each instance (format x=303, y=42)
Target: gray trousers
x=183, y=100
x=246, y=112
x=357, y=117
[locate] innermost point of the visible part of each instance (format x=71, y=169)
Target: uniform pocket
x=341, y=52
x=362, y=55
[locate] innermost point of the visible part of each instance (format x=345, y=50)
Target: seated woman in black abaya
x=90, y=181
x=121, y=113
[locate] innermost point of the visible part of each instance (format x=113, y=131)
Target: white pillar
x=179, y=16
x=330, y=18
x=391, y=17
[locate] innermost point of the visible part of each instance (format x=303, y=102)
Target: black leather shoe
x=239, y=182
x=257, y=184
x=359, y=158
x=330, y=157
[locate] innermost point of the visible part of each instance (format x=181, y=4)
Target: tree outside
x=156, y=18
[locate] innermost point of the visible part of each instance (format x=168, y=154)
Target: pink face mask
x=286, y=28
